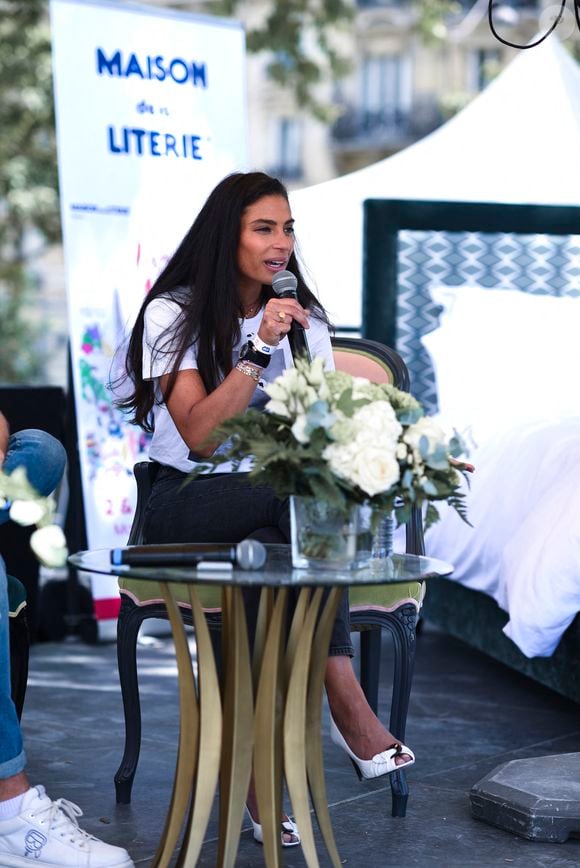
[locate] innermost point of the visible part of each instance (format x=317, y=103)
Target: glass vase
x=382, y=546
x=323, y=538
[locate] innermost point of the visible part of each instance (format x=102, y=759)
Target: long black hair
x=202, y=277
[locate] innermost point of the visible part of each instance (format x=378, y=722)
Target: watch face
x=244, y=349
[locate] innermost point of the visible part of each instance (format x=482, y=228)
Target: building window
x=287, y=162
x=381, y=83
x=486, y=63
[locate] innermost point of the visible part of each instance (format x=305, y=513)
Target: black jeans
x=226, y=508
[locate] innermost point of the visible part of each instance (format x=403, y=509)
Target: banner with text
x=151, y=113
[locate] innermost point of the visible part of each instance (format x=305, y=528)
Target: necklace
x=252, y=309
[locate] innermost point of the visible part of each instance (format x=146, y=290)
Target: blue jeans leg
x=42, y=456
x=12, y=756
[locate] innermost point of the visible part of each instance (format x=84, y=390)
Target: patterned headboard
x=410, y=247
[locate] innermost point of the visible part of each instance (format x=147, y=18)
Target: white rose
x=377, y=423
x=375, y=470
x=27, y=512
x=49, y=545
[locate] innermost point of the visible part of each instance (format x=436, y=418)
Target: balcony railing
x=388, y=127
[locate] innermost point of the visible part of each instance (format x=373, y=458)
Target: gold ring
x=281, y=315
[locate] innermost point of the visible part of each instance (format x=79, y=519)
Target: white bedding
x=524, y=547
x=508, y=369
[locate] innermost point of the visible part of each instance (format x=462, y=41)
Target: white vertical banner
x=151, y=113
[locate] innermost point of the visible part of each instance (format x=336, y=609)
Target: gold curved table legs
x=186, y=764
x=281, y=729
x=313, y=728
x=238, y=726
x=302, y=720
x=268, y=726
x=210, y=739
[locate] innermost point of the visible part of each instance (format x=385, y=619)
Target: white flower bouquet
x=26, y=507
x=344, y=440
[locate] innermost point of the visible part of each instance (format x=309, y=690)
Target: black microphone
x=284, y=285
x=247, y=555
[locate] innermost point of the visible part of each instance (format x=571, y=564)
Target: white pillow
x=503, y=357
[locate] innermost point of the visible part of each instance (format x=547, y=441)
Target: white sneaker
x=47, y=833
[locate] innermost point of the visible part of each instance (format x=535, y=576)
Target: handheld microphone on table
x=247, y=555
x=285, y=285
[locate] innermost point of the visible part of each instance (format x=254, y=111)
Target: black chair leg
x=129, y=621
x=370, y=665
x=19, y=657
x=402, y=624
x=399, y=794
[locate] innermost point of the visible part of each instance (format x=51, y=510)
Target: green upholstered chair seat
x=385, y=598
x=16, y=597
x=144, y=593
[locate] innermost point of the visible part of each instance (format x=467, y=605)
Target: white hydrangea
x=28, y=512
x=427, y=427
x=49, y=545
x=344, y=429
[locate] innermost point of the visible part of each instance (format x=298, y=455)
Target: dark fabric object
x=19, y=654
x=477, y=620
x=29, y=407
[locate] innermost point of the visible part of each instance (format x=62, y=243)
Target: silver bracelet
x=250, y=370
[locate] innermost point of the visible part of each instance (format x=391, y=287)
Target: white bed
x=507, y=365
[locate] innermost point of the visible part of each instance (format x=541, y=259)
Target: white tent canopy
x=517, y=142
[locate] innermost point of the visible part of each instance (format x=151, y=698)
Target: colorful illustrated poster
x=151, y=113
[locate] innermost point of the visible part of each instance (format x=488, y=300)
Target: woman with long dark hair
x=209, y=336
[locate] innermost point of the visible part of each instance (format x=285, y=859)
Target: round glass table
x=268, y=716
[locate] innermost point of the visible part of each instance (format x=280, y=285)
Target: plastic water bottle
x=383, y=537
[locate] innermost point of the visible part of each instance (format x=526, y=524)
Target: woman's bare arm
x=195, y=413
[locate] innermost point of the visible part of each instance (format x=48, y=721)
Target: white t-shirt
x=167, y=445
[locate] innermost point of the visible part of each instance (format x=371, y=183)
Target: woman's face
x=266, y=241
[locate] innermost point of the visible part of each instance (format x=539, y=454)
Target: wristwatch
x=249, y=353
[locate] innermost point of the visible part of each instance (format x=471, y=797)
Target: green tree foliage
x=29, y=214
x=299, y=35
x=431, y=14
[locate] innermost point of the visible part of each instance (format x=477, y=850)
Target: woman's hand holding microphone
x=279, y=314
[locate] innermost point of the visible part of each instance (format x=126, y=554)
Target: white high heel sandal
x=381, y=764
x=288, y=827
